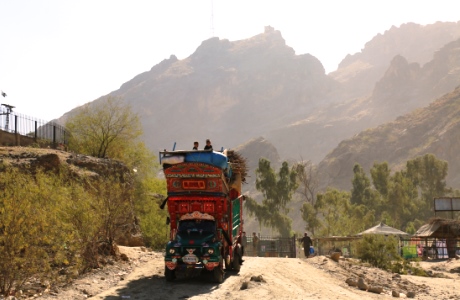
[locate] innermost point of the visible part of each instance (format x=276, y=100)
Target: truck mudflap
x=211, y=265
x=170, y=265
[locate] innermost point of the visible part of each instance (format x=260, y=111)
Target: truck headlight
x=172, y=251
x=210, y=251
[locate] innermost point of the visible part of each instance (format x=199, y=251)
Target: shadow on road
x=156, y=287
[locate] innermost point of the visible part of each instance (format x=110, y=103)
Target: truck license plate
x=190, y=259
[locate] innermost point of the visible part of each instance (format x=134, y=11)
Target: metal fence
x=269, y=246
x=16, y=123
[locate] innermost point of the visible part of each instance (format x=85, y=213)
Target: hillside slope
x=234, y=91
x=434, y=129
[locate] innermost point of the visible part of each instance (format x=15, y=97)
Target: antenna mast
x=9, y=110
x=212, y=18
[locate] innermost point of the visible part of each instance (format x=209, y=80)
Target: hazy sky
x=59, y=54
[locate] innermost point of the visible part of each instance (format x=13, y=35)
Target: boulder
x=362, y=285
x=335, y=256
x=375, y=289
x=351, y=282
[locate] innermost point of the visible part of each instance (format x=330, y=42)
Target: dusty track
x=283, y=278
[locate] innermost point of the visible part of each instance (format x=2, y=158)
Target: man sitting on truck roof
x=208, y=145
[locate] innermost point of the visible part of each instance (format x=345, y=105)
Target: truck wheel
x=170, y=274
x=218, y=273
x=236, y=263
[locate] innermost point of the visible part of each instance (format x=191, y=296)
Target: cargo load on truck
x=205, y=206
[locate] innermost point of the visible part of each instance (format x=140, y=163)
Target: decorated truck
x=205, y=207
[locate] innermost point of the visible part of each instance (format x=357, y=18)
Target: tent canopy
x=383, y=229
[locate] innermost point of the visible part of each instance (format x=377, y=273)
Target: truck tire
x=170, y=275
x=218, y=273
x=236, y=263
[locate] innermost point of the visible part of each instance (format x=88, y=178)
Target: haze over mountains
x=258, y=91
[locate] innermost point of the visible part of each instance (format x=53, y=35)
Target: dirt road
x=282, y=278
x=319, y=277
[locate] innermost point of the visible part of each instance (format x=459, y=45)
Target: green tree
x=401, y=205
x=109, y=128
x=307, y=180
x=277, y=191
x=361, y=192
x=310, y=215
x=380, y=174
x=333, y=207
x=257, y=210
x=428, y=174
x=360, y=218
x=104, y=128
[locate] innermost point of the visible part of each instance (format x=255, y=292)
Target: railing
x=34, y=128
x=269, y=246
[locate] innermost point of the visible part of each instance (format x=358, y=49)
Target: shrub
x=380, y=251
x=152, y=219
x=32, y=237
x=153, y=225
x=51, y=221
x=55, y=220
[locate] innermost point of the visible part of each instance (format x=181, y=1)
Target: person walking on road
x=306, y=242
x=244, y=241
x=255, y=244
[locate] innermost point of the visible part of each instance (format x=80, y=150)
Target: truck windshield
x=197, y=225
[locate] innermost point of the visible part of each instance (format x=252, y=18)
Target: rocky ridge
x=51, y=160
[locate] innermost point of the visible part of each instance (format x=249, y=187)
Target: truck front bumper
x=177, y=264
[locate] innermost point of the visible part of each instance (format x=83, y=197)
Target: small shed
x=440, y=235
x=439, y=228
x=384, y=229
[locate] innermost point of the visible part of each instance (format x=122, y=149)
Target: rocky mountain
x=417, y=43
x=227, y=91
x=234, y=91
x=402, y=88
x=434, y=129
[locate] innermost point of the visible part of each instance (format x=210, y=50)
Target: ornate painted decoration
x=197, y=215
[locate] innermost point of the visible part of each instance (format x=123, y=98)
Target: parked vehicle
x=205, y=208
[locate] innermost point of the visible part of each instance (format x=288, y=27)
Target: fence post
x=16, y=135
x=294, y=254
x=54, y=136
x=36, y=131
